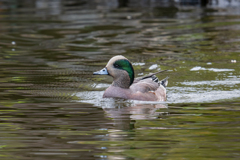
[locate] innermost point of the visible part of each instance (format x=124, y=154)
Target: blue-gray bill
x=101, y=72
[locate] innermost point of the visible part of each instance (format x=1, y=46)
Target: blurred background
x=51, y=106
x=111, y=4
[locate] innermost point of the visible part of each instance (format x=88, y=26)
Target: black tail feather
x=164, y=82
x=154, y=78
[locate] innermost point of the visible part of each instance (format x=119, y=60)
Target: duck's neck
x=123, y=81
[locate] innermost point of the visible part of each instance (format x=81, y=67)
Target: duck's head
x=120, y=68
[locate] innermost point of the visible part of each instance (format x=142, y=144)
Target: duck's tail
x=164, y=82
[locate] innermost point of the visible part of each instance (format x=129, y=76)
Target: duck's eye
x=116, y=66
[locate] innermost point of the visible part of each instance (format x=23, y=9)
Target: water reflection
x=124, y=118
x=52, y=106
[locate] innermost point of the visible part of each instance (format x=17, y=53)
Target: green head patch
x=124, y=64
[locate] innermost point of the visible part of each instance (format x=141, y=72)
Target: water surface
x=51, y=104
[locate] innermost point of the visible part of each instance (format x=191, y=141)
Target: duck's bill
x=101, y=72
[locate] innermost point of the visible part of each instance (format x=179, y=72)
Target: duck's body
x=147, y=88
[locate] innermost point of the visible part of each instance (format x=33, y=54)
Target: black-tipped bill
x=101, y=72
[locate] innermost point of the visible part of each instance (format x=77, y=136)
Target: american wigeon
x=147, y=88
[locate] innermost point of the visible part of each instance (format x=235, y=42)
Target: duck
x=126, y=86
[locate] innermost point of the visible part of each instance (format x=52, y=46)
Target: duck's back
x=149, y=89
x=144, y=85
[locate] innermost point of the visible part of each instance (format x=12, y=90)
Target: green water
x=51, y=106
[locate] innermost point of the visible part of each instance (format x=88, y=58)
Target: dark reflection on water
x=52, y=106
x=145, y=131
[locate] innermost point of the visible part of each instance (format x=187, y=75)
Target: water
x=51, y=104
